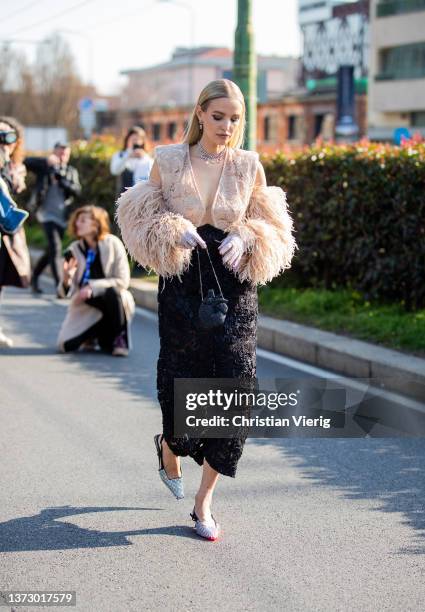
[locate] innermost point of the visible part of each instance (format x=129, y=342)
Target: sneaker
x=5, y=342
x=120, y=347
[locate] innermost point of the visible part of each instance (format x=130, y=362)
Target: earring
x=201, y=125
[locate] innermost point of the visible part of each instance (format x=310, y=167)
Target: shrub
x=359, y=213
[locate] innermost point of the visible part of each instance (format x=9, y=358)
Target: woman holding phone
x=132, y=164
x=96, y=277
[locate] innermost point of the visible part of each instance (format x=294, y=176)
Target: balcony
x=397, y=7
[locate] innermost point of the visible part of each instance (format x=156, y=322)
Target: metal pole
x=245, y=69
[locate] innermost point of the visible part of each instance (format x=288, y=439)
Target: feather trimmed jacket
x=152, y=219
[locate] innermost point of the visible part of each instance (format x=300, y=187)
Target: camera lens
x=11, y=137
x=8, y=137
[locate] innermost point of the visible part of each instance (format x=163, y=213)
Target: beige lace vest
x=181, y=194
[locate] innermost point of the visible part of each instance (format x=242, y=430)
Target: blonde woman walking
x=206, y=216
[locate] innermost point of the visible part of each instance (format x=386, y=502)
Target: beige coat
x=152, y=219
x=81, y=316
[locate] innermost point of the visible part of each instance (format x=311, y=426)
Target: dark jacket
x=68, y=179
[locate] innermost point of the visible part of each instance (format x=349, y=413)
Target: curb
x=390, y=369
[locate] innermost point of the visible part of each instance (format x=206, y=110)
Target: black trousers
x=8, y=273
x=53, y=253
x=112, y=323
x=186, y=351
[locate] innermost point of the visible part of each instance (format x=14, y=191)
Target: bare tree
x=46, y=92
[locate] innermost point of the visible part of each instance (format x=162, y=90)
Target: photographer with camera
x=132, y=164
x=15, y=268
x=56, y=186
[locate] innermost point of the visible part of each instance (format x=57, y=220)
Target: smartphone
x=68, y=255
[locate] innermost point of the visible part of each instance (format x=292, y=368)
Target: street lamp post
x=245, y=68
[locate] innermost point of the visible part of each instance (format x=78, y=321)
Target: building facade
x=178, y=82
x=334, y=33
x=397, y=68
x=288, y=123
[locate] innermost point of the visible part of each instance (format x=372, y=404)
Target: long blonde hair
x=221, y=88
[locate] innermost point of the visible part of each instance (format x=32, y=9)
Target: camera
x=8, y=137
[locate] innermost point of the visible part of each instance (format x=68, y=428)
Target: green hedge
x=359, y=213
x=92, y=161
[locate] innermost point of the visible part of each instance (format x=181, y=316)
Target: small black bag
x=213, y=309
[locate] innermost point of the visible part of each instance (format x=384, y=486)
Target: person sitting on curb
x=96, y=277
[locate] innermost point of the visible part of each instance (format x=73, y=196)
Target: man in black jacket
x=57, y=184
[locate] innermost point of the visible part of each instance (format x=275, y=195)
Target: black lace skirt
x=187, y=351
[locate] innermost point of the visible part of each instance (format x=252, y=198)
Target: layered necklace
x=213, y=158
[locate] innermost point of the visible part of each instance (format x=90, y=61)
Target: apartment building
x=177, y=82
x=397, y=68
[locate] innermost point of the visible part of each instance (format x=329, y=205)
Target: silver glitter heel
x=174, y=484
x=206, y=530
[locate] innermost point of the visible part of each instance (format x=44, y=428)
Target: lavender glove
x=190, y=238
x=231, y=249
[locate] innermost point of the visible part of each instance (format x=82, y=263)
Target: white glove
x=190, y=238
x=231, y=249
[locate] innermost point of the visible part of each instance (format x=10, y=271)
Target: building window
x=156, y=131
x=318, y=122
x=171, y=130
x=404, y=62
x=396, y=7
x=292, y=127
x=270, y=128
x=417, y=119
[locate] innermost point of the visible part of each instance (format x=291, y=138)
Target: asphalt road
x=308, y=524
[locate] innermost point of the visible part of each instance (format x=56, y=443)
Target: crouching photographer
x=96, y=277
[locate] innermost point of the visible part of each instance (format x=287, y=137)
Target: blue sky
x=108, y=36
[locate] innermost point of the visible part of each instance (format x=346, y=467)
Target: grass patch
x=151, y=278
x=35, y=236
x=346, y=312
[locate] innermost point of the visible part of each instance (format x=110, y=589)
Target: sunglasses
x=8, y=137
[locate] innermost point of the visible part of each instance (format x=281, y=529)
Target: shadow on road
x=44, y=531
x=389, y=471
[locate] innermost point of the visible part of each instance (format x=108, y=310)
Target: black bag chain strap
x=200, y=277
x=213, y=309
